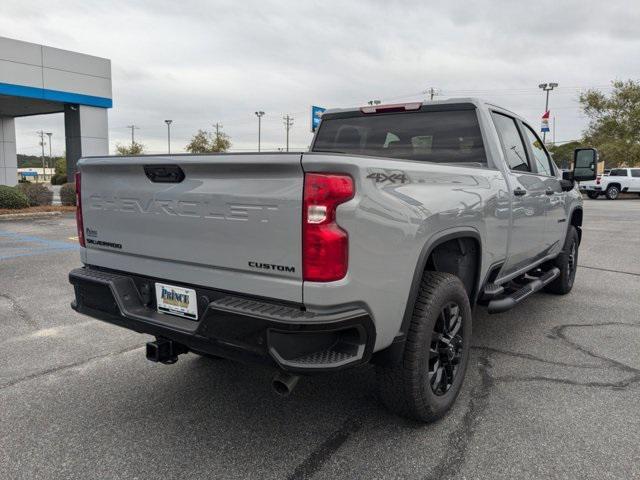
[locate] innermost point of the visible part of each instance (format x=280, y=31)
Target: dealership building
x=36, y=80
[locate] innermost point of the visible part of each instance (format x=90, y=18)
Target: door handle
x=519, y=192
x=548, y=191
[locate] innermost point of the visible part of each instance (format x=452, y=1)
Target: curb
x=21, y=216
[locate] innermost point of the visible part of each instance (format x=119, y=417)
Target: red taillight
x=598, y=180
x=79, y=223
x=325, y=246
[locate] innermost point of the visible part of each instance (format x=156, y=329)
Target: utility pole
x=50, y=134
x=259, y=114
x=133, y=127
x=41, y=133
x=288, y=123
x=218, y=126
x=546, y=87
x=168, y=122
x=432, y=92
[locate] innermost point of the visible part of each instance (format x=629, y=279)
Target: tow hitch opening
x=165, y=351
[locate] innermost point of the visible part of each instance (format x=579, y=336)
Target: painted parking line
x=40, y=245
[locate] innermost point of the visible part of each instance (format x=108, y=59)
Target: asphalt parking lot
x=553, y=388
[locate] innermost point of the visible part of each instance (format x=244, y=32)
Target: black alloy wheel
x=445, y=354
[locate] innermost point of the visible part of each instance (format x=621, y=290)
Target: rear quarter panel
x=400, y=208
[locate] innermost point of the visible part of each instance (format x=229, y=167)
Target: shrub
x=59, y=179
x=36, y=193
x=23, y=180
x=11, y=197
x=68, y=194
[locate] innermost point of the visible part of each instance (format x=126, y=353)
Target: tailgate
x=233, y=222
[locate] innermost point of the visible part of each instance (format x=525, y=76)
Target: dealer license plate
x=177, y=301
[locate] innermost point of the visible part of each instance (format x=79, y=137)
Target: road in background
x=552, y=389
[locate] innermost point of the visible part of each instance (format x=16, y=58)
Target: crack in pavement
x=621, y=385
x=65, y=367
x=559, y=332
x=452, y=462
x=459, y=439
x=20, y=312
x=319, y=456
x=610, y=270
x=528, y=356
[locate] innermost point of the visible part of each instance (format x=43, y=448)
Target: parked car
x=371, y=248
x=619, y=180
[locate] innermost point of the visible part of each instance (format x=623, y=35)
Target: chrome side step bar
x=507, y=302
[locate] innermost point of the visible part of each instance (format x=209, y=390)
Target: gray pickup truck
x=373, y=247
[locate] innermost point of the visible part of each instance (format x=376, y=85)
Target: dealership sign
x=316, y=114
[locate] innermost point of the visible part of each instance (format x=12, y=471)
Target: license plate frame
x=176, y=300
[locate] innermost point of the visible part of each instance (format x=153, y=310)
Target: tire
x=613, y=192
x=592, y=195
x=567, y=262
x=409, y=388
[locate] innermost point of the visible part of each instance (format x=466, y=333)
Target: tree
x=206, y=142
x=61, y=166
x=134, y=149
x=563, y=154
x=614, y=123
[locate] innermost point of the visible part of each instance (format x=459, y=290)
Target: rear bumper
x=231, y=326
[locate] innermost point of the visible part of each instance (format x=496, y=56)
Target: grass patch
x=40, y=209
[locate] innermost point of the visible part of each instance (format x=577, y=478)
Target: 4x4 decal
x=394, y=177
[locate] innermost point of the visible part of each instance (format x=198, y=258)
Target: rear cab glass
x=427, y=135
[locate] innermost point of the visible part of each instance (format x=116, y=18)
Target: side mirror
x=567, y=185
x=585, y=163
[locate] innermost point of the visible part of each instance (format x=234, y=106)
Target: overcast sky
x=201, y=62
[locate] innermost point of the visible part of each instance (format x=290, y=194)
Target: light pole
x=41, y=133
x=49, y=134
x=168, y=122
x=546, y=87
x=259, y=114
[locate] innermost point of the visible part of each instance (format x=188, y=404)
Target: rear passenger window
x=618, y=172
x=543, y=163
x=514, y=150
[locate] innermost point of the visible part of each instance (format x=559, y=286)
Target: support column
x=87, y=133
x=8, y=157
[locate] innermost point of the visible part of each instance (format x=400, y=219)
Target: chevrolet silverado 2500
x=373, y=247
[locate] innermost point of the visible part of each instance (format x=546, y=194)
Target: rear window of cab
x=449, y=136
